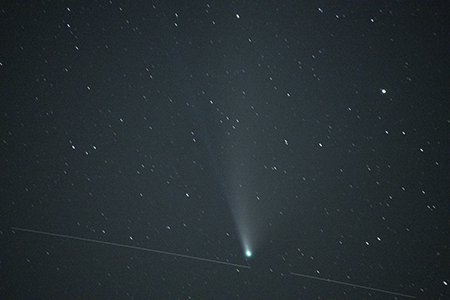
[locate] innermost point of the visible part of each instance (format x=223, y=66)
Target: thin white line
x=129, y=247
x=351, y=284
x=201, y=259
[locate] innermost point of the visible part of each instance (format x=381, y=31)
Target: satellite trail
x=129, y=247
x=248, y=253
x=351, y=284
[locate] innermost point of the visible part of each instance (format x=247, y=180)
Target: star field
x=293, y=143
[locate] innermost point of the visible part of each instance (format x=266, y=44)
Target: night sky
x=314, y=134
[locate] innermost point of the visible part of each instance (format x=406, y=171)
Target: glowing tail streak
x=353, y=285
x=129, y=247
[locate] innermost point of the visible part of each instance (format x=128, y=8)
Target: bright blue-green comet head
x=247, y=248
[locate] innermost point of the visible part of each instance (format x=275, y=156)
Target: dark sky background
x=316, y=135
